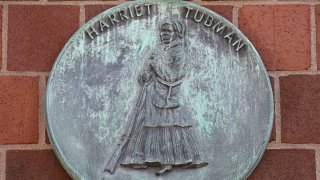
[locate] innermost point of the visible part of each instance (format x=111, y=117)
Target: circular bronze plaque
x=163, y=89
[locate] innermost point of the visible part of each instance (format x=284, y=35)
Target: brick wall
x=284, y=32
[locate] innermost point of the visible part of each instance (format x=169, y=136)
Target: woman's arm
x=146, y=74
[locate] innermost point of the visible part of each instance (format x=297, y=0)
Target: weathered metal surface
x=165, y=87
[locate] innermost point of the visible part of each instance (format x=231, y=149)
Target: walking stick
x=113, y=161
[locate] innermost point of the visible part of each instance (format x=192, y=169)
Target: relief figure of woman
x=162, y=134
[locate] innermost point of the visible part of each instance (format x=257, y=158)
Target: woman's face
x=167, y=34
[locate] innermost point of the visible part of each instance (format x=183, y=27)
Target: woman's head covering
x=178, y=26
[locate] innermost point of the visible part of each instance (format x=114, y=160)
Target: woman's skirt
x=163, y=146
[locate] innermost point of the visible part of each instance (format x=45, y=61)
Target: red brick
x=273, y=132
x=36, y=35
x=318, y=33
x=33, y=164
x=20, y=0
x=19, y=106
x=281, y=34
x=300, y=97
x=285, y=164
x=257, y=24
x=93, y=10
x=0, y=37
x=47, y=137
x=225, y=11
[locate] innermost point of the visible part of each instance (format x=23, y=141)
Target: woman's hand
x=146, y=77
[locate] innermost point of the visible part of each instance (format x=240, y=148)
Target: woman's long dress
x=164, y=135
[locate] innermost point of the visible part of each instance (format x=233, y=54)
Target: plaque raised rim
x=51, y=136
